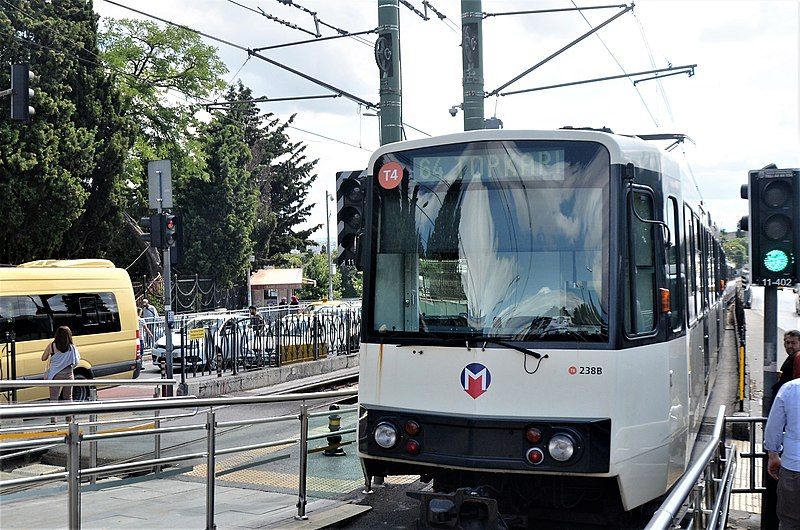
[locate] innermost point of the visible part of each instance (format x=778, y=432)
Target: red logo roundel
x=572, y=370
x=390, y=175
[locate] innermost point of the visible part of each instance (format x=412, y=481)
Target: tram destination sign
x=538, y=164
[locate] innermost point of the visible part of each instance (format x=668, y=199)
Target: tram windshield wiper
x=504, y=344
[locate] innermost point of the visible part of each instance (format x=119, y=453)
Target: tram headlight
x=385, y=435
x=561, y=447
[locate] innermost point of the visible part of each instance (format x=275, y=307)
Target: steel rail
x=30, y=383
x=331, y=433
x=663, y=517
x=141, y=463
x=50, y=477
x=100, y=407
x=243, y=448
x=719, y=512
x=257, y=421
x=143, y=432
x=24, y=444
x=348, y=410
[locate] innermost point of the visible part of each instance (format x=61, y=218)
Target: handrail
x=30, y=383
x=100, y=407
x=662, y=519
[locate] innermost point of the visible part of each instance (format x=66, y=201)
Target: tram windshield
x=502, y=239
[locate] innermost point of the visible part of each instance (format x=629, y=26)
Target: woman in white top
x=63, y=356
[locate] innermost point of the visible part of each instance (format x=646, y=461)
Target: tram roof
x=622, y=149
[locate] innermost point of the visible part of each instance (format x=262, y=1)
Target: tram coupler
x=462, y=509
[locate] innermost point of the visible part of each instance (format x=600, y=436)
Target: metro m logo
x=475, y=379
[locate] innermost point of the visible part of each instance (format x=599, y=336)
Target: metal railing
x=753, y=485
x=700, y=499
x=238, y=341
x=75, y=437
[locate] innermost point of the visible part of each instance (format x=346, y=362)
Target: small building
x=269, y=286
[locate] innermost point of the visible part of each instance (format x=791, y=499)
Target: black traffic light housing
x=21, y=93
x=170, y=230
x=351, y=196
x=774, y=224
x=151, y=225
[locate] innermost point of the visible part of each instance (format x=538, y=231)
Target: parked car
x=221, y=333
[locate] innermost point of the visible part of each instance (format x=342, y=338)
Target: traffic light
x=151, y=225
x=350, y=197
x=21, y=93
x=774, y=224
x=170, y=227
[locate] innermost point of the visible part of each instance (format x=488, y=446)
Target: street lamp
x=328, y=198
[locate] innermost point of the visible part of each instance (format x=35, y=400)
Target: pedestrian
x=791, y=343
x=256, y=320
x=143, y=330
x=782, y=443
x=63, y=356
x=149, y=310
x=295, y=301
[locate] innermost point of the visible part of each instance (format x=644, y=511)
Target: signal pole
x=472, y=61
x=328, y=246
x=387, y=55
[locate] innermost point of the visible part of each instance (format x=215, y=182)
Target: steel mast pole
x=387, y=55
x=328, y=245
x=472, y=61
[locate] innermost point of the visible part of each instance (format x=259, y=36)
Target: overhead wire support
x=557, y=53
x=318, y=22
x=691, y=73
x=219, y=105
x=261, y=12
x=686, y=69
x=427, y=5
x=319, y=39
x=257, y=55
x=560, y=10
x=416, y=11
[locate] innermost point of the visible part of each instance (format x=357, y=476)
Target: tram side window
x=691, y=283
x=699, y=252
x=675, y=276
x=34, y=317
x=640, y=284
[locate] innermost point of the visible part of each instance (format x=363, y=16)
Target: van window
x=34, y=317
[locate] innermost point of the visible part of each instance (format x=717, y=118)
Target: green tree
x=163, y=72
x=60, y=171
x=736, y=251
x=315, y=267
x=219, y=214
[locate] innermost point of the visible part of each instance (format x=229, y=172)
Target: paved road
x=787, y=318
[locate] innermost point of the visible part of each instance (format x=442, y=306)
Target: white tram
x=542, y=317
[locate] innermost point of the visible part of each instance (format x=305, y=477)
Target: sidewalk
x=169, y=503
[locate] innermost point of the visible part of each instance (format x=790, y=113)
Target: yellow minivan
x=92, y=297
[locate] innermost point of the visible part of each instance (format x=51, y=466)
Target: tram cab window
x=640, y=284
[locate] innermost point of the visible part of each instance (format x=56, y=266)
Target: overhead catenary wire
x=249, y=51
x=319, y=22
x=273, y=18
x=653, y=64
x=647, y=108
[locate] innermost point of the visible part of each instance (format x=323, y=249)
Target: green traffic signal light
x=776, y=260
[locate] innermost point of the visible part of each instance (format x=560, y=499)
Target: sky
x=740, y=108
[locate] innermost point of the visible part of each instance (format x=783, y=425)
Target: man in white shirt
x=783, y=434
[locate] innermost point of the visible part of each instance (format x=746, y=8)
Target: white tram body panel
x=649, y=442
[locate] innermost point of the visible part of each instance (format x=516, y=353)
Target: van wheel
x=80, y=393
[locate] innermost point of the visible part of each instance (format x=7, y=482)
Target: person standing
x=783, y=434
x=149, y=310
x=63, y=357
x=791, y=343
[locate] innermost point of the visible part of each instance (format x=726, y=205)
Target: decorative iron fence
x=225, y=341
x=192, y=294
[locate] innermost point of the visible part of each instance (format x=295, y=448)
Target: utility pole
x=472, y=61
x=387, y=55
x=328, y=199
